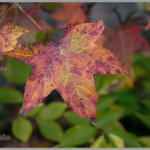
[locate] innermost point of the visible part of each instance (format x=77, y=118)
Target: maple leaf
x=70, y=13
x=124, y=42
x=68, y=67
x=8, y=37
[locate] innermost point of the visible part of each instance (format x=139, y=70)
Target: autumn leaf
x=125, y=41
x=17, y=16
x=8, y=37
x=70, y=13
x=68, y=67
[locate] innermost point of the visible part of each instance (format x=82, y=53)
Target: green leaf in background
x=17, y=71
x=77, y=135
x=75, y=119
x=146, y=84
x=50, y=6
x=141, y=5
x=40, y=36
x=10, y=95
x=107, y=117
x=52, y=111
x=34, y=111
x=101, y=142
x=146, y=102
x=104, y=102
x=141, y=65
x=145, y=118
x=102, y=82
x=129, y=138
x=118, y=142
x=145, y=140
x=22, y=129
x=127, y=99
x=51, y=130
x=111, y=141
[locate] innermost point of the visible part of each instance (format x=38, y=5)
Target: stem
x=21, y=9
x=115, y=10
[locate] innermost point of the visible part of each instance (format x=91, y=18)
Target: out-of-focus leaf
x=17, y=71
x=52, y=111
x=115, y=126
x=101, y=142
x=70, y=13
x=106, y=118
x=34, y=111
x=10, y=95
x=145, y=140
x=147, y=103
x=145, y=118
x=125, y=41
x=129, y=138
x=104, y=102
x=146, y=84
x=22, y=129
x=141, y=65
x=75, y=119
x=40, y=36
x=77, y=135
x=119, y=142
x=127, y=99
x=102, y=82
x=141, y=5
x=51, y=130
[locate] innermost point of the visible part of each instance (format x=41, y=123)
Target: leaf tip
x=23, y=112
x=93, y=121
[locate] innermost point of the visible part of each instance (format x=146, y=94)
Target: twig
x=21, y=9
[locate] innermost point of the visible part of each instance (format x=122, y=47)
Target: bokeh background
x=123, y=107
